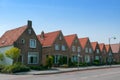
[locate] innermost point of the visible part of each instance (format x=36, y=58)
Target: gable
x=84, y=42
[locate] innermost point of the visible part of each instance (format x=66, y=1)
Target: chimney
x=42, y=35
x=29, y=23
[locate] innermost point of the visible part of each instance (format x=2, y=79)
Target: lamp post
x=110, y=55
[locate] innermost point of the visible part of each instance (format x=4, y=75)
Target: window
x=73, y=48
x=29, y=31
x=23, y=41
x=76, y=41
x=33, y=57
x=32, y=43
x=96, y=57
x=98, y=51
x=60, y=37
x=78, y=49
x=57, y=58
x=63, y=48
x=57, y=47
x=86, y=50
x=90, y=50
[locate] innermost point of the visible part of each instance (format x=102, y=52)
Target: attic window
x=60, y=37
x=29, y=31
x=22, y=41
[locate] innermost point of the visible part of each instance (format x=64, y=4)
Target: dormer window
x=29, y=31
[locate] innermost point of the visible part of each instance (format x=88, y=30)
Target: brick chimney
x=29, y=23
x=42, y=35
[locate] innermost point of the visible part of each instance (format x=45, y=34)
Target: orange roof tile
x=115, y=48
x=83, y=41
x=107, y=47
x=94, y=44
x=49, y=38
x=69, y=39
x=10, y=36
x=101, y=46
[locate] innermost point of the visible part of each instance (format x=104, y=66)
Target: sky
x=97, y=19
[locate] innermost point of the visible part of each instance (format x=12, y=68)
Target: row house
x=116, y=52
x=109, y=56
x=87, y=51
x=54, y=44
x=74, y=47
x=96, y=51
x=103, y=52
x=26, y=40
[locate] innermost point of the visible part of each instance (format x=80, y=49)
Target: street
x=100, y=74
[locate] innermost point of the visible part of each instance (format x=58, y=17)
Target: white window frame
x=63, y=48
x=98, y=51
x=86, y=50
x=90, y=50
x=57, y=47
x=79, y=49
x=23, y=41
x=29, y=31
x=32, y=44
x=34, y=55
x=73, y=48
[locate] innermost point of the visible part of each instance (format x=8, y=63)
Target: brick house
x=109, y=55
x=26, y=40
x=103, y=51
x=87, y=51
x=96, y=51
x=116, y=52
x=54, y=44
x=74, y=47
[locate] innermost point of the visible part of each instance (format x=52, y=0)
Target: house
x=26, y=40
x=103, y=52
x=54, y=44
x=109, y=54
x=116, y=52
x=74, y=47
x=96, y=51
x=87, y=51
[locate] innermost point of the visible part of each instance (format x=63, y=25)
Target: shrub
x=64, y=66
x=16, y=67
x=1, y=56
x=49, y=61
x=1, y=67
x=41, y=67
x=96, y=62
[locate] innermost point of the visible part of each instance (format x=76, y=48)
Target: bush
x=96, y=62
x=16, y=67
x=64, y=66
x=1, y=67
x=49, y=61
x=41, y=67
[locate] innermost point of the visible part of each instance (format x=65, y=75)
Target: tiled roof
x=115, y=48
x=69, y=39
x=107, y=47
x=83, y=41
x=94, y=44
x=10, y=36
x=101, y=46
x=49, y=38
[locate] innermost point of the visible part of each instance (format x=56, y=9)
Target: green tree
x=1, y=56
x=13, y=53
x=49, y=61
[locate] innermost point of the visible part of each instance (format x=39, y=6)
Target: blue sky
x=96, y=19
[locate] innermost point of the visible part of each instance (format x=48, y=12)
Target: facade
x=116, y=52
x=55, y=45
x=75, y=48
x=26, y=40
x=87, y=51
x=103, y=52
x=96, y=51
x=109, y=55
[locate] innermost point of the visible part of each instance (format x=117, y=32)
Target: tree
x=49, y=61
x=1, y=56
x=13, y=53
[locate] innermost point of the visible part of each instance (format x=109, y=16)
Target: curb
x=58, y=72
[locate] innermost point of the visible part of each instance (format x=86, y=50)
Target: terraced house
x=54, y=44
x=75, y=48
x=109, y=54
x=87, y=51
x=26, y=40
x=96, y=51
x=116, y=52
x=103, y=52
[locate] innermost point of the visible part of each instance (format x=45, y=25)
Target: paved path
x=97, y=74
